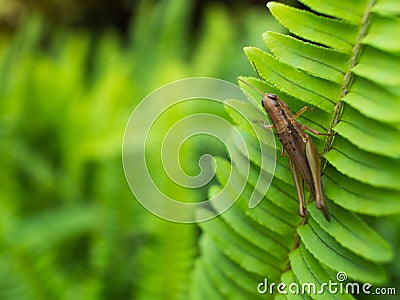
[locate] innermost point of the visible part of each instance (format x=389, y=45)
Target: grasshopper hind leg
x=314, y=163
x=299, y=184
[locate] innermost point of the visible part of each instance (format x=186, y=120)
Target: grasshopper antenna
x=259, y=77
x=253, y=87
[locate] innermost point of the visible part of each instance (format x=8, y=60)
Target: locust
x=303, y=156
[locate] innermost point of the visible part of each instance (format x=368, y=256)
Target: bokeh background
x=71, y=73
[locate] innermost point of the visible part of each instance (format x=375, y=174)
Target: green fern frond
x=346, y=65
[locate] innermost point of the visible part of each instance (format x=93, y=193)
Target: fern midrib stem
x=348, y=77
x=340, y=104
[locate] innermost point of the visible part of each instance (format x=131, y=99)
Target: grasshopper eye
x=272, y=96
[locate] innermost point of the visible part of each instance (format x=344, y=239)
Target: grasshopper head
x=270, y=101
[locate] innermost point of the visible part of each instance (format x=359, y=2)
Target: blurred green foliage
x=70, y=227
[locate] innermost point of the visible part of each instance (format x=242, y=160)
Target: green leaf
x=238, y=279
x=387, y=7
x=380, y=33
x=318, y=118
x=253, y=232
x=331, y=254
x=291, y=80
x=378, y=66
x=330, y=32
x=379, y=138
x=281, y=169
x=311, y=273
x=292, y=283
x=351, y=11
x=372, y=169
x=247, y=256
x=217, y=271
x=374, y=101
x=249, y=118
x=203, y=286
x=359, y=197
x=352, y=233
x=266, y=213
x=315, y=60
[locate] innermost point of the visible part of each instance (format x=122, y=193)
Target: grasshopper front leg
x=299, y=184
x=315, y=167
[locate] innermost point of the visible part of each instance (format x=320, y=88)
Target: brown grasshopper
x=304, y=159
